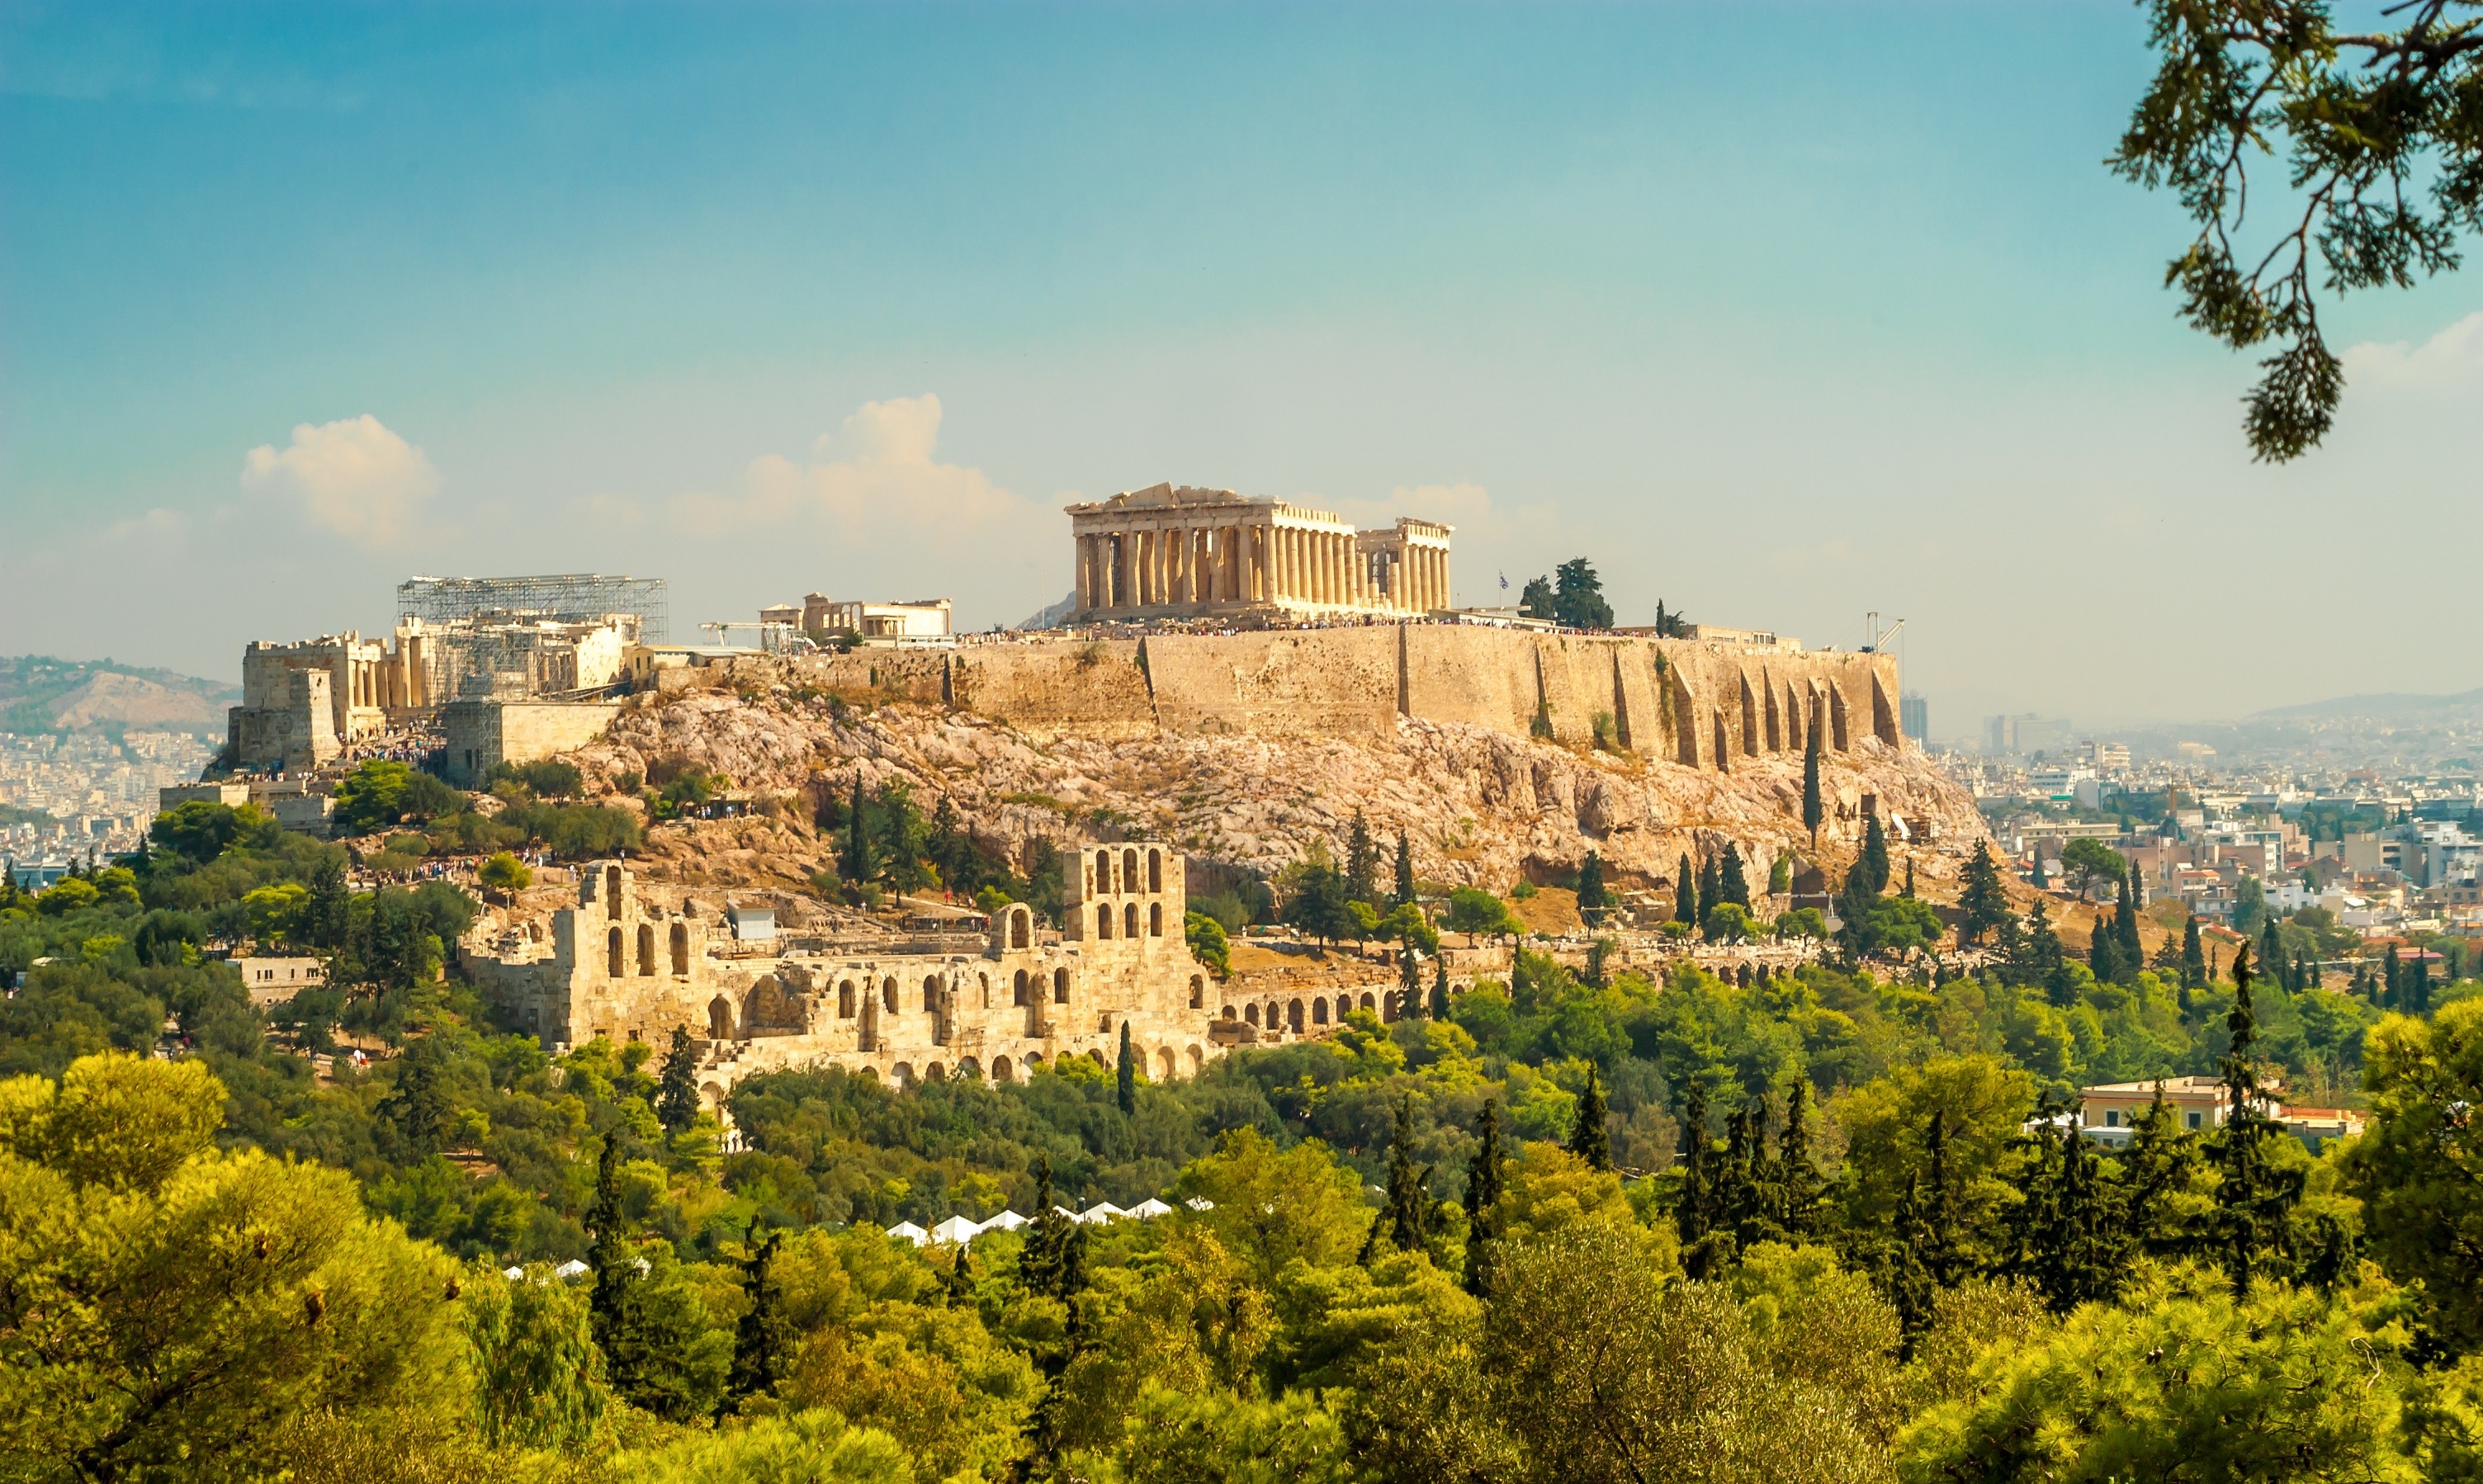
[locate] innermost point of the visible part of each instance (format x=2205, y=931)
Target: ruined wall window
x=1103, y=921
x=1130, y=920
x=1060, y=986
x=680, y=950
x=1155, y=870
x=1155, y=919
x=845, y=1001
x=1197, y=993
x=1128, y=870
x=719, y=1019
x=1251, y=1014
x=888, y=995
x=612, y=891
x=930, y=993
x=987, y=990
x=1102, y=873
x=1319, y=1012
x=1343, y=1007
x=645, y=949
x=1021, y=987
x=612, y=968
x=1021, y=928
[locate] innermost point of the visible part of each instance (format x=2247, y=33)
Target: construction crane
x=1880, y=637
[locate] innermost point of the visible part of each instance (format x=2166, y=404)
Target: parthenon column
x=1085, y=553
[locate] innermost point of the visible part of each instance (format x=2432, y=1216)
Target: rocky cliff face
x=1479, y=806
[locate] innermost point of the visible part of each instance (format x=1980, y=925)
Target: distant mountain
x=2390, y=706
x=38, y=693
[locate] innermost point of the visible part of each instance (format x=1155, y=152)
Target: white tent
x=1006, y=1221
x=1199, y=1203
x=957, y=1231
x=513, y=1273
x=910, y=1231
x=572, y=1268
x=1100, y=1212
x=1150, y=1208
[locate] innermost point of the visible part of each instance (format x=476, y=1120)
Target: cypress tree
x=2103, y=954
x=2156, y=1166
x=1730, y=881
x=1711, y=889
x=1409, y=975
x=1483, y=1199
x=1403, y=896
x=1875, y=854
x=1588, y=1139
x=2125, y=924
x=1797, y=1182
x=2036, y=877
x=2193, y=957
x=1984, y=901
x=765, y=1334
x=1410, y=1197
x=961, y=1279
x=1690, y=1215
x=2255, y=1200
x=1593, y=899
x=1815, y=811
x=1908, y=892
x=677, y=1095
x=2271, y=952
x=1685, y=896
x=2416, y=972
x=1940, y=1208
x=1125, y=1087
x=1440, y=988
x=857, y=865
x=1912, y=1284
x=1361, y=863
x=608, y=1254
x=2389, y=972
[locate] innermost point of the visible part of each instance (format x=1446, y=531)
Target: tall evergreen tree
x=2416, y=998
x=2155, y=1167
x=1483, y=1199
x=1685, y=896
x=1711, y=889
x=2125, y=922
x=1984, y=902
x=1690, y=1215
x=2103, y=954
x=1403, y=896
x=2389, y=971
x=1440, y=987
x=1053, y=1260
x=961, y=1278
x=1588, y=1139
x=1798, y=1181
x=1125, y=1086
x=1875, y=854
x=2194, y=955
x=765, y=1336
x=856, y=863
x=1940, y=1206
x=1814, y=809
x=2271, y=952
x=2254, y=1198
x=677, y=1094
x=1408, y=1213
x=2036, y=877
x=1593, y=901
x=1361, y=863
x=1908, y=892
x=1409, y=979
x=1730, y=881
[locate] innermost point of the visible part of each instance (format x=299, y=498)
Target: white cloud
x=157, y=525
x=353, y=476
x=889, y=482
x=2452, y=358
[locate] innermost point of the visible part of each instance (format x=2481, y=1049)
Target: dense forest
x=1584, y=1226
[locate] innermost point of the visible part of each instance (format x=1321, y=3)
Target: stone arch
x=888, y=995
x=1226, y=1014
x=1319, y=1010
x=1250, y=1012
x=680, y=950
x=1104, y=920
x=868, y=1038
x=1197, y=1060
x=647, y=949
x=1033, y=1062
x=903, y=1073
x=1167, y=1066
x=1128, y=870
x=711, y=1094
x=1388, y=1007
x=1001, y=1071
x=719, y=1019
x=1343, y=1007
x=1129, y=919
x=986, y=982
x=1095, y=1055
x=845, y=1001
x=871, y=1073
x=935, y=1073
x=970, y=1069
x=1060, y=986
x=1155, y=870
x=930, y=993
x=1155, y=919
x=767, y=1004
x=1293, y=1016
x=612, y=964
x=1197, y=992
x=1367, y=1003
x=612, y=891
x=1021, y=987
x=1021, y=928
x=1102, y=873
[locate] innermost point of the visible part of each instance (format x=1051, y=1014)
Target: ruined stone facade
x=1187, y=552
x=612, y=967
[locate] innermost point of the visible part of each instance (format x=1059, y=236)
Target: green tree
x=538, y=1376
x=1983, y=903
x=1814, y=809
x=1593, y=899
x=2194, y=956
x=1207, y=941
x=764, y=1338
x=1537, y=600
x=170, y=1306
x=1578, y=599
x=1588, y=1139
x=1271, y=1205
x=677, y=1093
x=1474, y=910
x=2360, y=114
x=503, y=871
x=1686, y=906
x=1874, y=860
x=2255, y=1194
x=2413, y=1168
x=1319, y=904
x=1125, y=1077
x=1407, y=1215
x=856, y=862
x=1733, y=885
x=1403, y=894
x=1483, y=1199
x=2085, y=861
x=1361, y=863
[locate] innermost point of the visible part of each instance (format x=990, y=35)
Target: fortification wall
x=1095, y=687
x=1325, y=682
x=482, y=734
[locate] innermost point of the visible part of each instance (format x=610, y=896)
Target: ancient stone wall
x=482, y=734
x=1089, y=686
x=1332, y=681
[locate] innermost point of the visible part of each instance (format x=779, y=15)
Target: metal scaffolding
x=573, y=597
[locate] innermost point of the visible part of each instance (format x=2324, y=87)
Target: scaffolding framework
x=573, y=597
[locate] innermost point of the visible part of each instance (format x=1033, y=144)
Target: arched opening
x=1095, y=1055
x=871, y=1073
x=986, y=981
x=680, y=950
x=1155, y=870
x=1104, y=920
x=1130, y=920
x=931, y=994
x=1128, y=870
x=902, y=1074
x=1250, y=1012
x=845, y=1001
x=1197, y=1060
x=935, y=1073
x=1367, y=1003
x=719, y=1019
x=1293, y=1016
x=1001, y=1071
x=1102, y=873
x=1021, y=987
x=888, y=995
x=1197, y=992
x=711, y=1094
x=1033, y=1062
x=647, y=949
x=1167, y=1068
x=1155, y=919
x=970, y=1069
x=612, y=891
x=612, y=965
x=1021, y=928
x=1060, y=986
x=1319, y=1010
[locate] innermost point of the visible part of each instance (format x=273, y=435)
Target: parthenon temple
x=1171, y=552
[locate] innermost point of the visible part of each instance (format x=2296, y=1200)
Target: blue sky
x=1778, y=312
